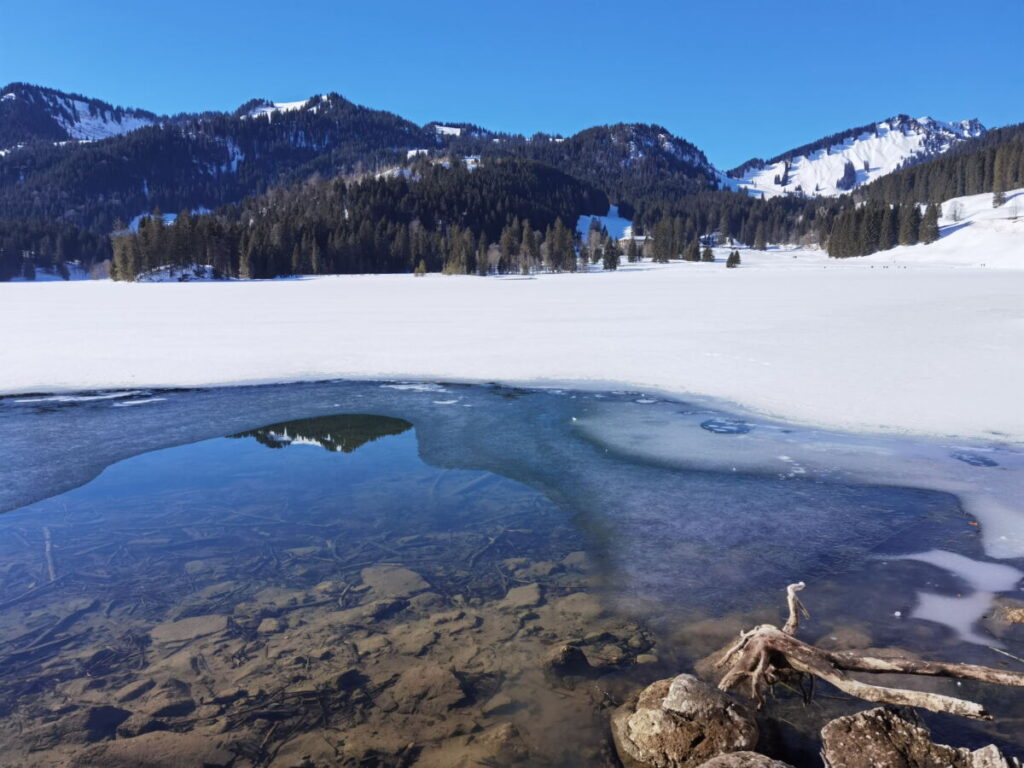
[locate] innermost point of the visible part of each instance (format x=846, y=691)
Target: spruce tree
x=999, y=178
x=910, y=223
x=929, y=231
x=707, y=254
x=759, y=239
x=888, y=233
x=611, y=255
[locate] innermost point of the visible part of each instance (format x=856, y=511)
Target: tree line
x=443, y=216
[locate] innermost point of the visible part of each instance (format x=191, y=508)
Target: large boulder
x=744, y=760
x=681, y=723
x=897, y=739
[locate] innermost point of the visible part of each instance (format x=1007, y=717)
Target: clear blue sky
x=739, y=79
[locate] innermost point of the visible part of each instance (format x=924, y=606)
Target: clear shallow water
x=297, y=504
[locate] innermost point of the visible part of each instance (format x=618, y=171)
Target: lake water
x=349, y=573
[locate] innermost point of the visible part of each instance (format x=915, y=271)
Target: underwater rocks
x=681, y=723
x=897, y=739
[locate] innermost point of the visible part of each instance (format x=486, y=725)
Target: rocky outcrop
x=897, y=739
x=744, y=760
x=681, y=723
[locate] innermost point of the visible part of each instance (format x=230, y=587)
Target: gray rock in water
x=897, y=739
x=567, y=661
x=681, y=723
x=744, y=760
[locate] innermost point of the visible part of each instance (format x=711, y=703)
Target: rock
x=172, y=699
x=646, y=658
x=578, y=560
x=269, y=626
x=744, y=760
x=681, y=723
x=427, y=689
x=540, y=570
x=894, y=738
x=159, y=749
x=133, y=690
x=188, y=629
x=567, y=661
x=499, y=704
x=369, y=646
x=87, y=724
x=389, y=581
x=525, y=596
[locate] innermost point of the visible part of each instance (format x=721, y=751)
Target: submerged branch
x=767, y=655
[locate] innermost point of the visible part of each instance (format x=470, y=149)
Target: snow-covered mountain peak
x=267, y=109
x=838, y=163
x=33, y=112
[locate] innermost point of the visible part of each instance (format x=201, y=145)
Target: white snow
x=617, y=226
x=448, y=130
x=924, y=347
x=279, y=106
x=75, y=272
x=86, y=126
x=180, y=274
x=873, y=154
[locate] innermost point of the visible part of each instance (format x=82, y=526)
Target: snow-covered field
x=922, y=339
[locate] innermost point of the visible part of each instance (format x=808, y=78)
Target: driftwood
x=766, y=655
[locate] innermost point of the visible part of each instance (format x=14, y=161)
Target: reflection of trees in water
x=344, y=433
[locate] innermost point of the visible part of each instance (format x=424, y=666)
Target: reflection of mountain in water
x=342, y=433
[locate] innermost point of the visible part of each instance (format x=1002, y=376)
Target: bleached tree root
x=767, y=655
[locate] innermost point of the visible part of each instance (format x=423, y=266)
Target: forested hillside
x=434, y=216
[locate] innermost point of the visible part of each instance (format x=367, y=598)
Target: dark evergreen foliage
x=441, y=218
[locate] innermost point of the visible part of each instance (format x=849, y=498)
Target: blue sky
x=739, y=79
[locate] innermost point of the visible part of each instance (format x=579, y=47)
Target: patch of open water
x=366, y=574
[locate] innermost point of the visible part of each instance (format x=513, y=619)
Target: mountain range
x=88, y=162
x=326, y=186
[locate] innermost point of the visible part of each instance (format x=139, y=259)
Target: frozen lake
x=375, y=572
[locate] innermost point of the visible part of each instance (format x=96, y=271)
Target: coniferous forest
x=334, y=187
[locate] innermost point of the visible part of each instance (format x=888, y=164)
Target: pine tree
x=759, y=238
x=421, y=269
x=482, y=264
x=708, y=254
x=888, y=233
x=733, y=261
x=999, y=178
x=910, y=223
x=929, y=230
x=611, y=256
x=693, y=250
x=632, y=252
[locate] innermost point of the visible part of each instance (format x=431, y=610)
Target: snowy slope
x=876, y=151
x=617, y=226
x=62, y=116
